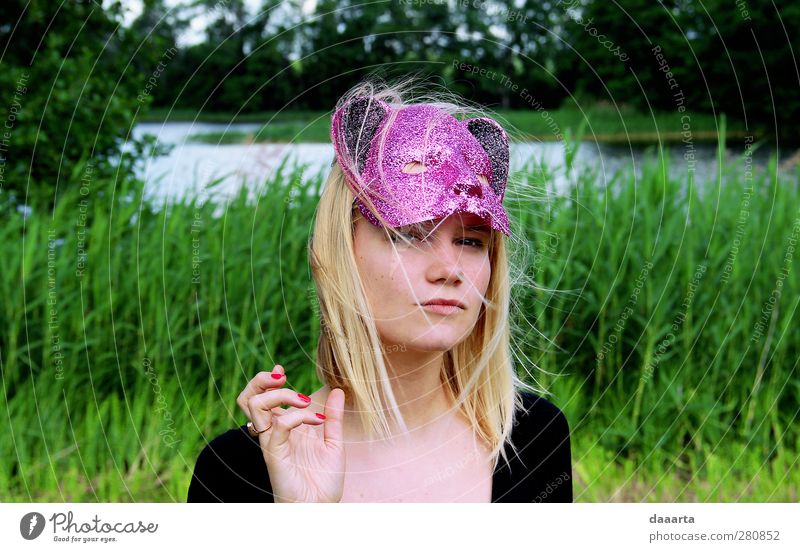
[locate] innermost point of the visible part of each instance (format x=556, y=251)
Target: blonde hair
x=479, y=373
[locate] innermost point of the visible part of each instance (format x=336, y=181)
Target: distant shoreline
x=601, y=124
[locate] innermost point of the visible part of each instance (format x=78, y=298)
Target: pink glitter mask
x=455, y=166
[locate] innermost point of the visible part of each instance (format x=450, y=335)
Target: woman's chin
x=436, y=340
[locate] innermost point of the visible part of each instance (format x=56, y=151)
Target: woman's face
x=447, y=260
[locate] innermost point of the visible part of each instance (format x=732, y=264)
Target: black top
x=231, y=468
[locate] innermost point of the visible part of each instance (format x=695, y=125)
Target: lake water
x=190, y=166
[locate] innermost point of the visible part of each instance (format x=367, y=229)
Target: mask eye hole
x=483, y=179
x=414, y=167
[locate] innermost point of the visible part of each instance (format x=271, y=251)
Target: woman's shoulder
x=230, y=468
x=228, y=446
x=538, y=413
x=541, y=456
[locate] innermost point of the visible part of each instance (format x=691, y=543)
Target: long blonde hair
x=479, y=373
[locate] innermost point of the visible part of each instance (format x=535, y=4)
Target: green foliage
x=669, y=316
x=731, y=57
x=75, y=80
x=63, y=80
x=529, y=55
x=665, y=318
x=141, y=325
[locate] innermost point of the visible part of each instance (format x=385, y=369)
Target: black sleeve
x=548, y=453
x=206, y=479
x=559, y=464
x=231, y=468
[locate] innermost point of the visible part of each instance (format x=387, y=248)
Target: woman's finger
x=259, y=384
x=277, y=397
x=265, y=407
x=334, y=412
x=281, y=427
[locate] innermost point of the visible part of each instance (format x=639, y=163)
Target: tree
x=615, y=45
x=749, y=60
x=66, y=96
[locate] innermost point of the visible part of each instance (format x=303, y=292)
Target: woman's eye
x=474, y=242
x=408, y=235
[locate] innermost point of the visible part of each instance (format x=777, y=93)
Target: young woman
x=420, y=402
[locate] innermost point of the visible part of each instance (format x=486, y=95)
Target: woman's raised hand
x=304, y=465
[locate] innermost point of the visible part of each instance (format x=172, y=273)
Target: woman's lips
x=442, y=309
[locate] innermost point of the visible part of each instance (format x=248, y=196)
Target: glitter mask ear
x=492, y=137
x=352, y=128
x=422, y=162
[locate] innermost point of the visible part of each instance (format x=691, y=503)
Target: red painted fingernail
x=277, y=376
x=321, y=416
x=307, y=399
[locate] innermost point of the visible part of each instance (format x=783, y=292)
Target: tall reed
x=663, y=321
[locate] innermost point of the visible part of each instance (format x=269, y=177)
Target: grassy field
x=604, y=123
x=663, y=320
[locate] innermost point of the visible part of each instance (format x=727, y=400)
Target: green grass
x=604, y=123
x=151, y=356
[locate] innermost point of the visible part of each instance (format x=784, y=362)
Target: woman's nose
x=445, y=262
